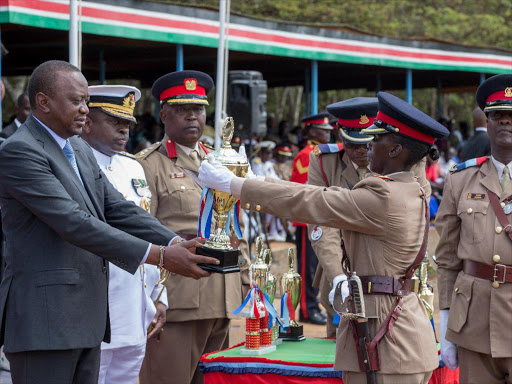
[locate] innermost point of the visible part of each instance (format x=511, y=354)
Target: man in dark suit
x=479, y=144
x=22, y=112
x=59, y=214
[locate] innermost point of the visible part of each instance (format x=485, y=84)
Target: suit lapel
x=86, y=189
x=55, y=152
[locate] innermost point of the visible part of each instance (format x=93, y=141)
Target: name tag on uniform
x=177, y=175
x=476, y=196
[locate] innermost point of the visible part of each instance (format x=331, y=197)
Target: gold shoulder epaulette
x=257, y=160
x=145, y=152
x=317, y=151
x=127, y=154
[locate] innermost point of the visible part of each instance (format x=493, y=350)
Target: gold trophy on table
x=291, y=284
x=221, y=204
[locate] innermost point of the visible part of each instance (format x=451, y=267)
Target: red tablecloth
x=310, y=361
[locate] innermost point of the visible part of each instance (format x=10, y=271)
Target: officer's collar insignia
x=141, y=187
x=469, y=163
x=328, y=148
x=190, y=84
x=508, y=92
x=364, y=119
x=476, y=196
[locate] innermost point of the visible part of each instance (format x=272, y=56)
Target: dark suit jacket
x=54, y=291
x=477, y=146
x=9, y=130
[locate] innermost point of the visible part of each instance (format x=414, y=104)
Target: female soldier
x=383, y=219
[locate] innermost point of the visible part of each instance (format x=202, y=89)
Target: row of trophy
x=261, y=315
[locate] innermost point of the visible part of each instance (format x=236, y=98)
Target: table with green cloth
x=308, y=361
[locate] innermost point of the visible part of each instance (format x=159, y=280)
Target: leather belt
x=385, y=285
x=498, y=273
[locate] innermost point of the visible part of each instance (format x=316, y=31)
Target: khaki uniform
x=196, y=304
x=480, y=317
x=340, y=172
x=382, y=222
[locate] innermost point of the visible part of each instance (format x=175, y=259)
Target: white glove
x=214, y=175
x=448, y=349
x=344, y=288
x=250, y=174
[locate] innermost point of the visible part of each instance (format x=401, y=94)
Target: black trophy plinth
x=228, y=260
x=294, y=334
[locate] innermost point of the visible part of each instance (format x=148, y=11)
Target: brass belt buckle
x=496, y=283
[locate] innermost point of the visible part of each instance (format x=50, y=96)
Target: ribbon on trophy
x=252, y=298
x=204, y=224
x=205, y=216
x=287, y=311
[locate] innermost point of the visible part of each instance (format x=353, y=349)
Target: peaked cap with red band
x=495, y=93
x=354, y=115
x=183, y=87
x=320, y=120
x=397, y=116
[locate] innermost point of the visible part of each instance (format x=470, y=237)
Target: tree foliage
x=471, y=22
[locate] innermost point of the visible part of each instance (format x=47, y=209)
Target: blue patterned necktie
x=70, y=154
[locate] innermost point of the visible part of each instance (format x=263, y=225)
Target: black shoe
x=315, y=318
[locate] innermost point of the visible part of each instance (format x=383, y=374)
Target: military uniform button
x=496, y=258
x=110, y=168
x=469, y=211
x=499, y=229
x=182, y=187
x=495, y=284
x=502, y=204
x=456, y=290
x=258, y=207
x=247, y=206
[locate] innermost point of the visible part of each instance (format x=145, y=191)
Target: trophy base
x=228, y=260
x=295, y=334
x=258, y=352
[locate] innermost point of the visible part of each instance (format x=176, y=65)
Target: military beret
x=354, y=115
x=183, y=87
x=320, y=120
x=115, y=100
x=397, y=116
x=495, y=93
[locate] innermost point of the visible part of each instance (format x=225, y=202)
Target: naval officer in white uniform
x=131, y=297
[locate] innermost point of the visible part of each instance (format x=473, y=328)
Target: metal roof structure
x=136, y=39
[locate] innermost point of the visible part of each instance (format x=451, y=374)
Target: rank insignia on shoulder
x=127, y=154
x=328, y=148
x=177, y=175
x=316, y=233
x=476, y=196
x=387, y=178
x=141, y=187
x=469, y=163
